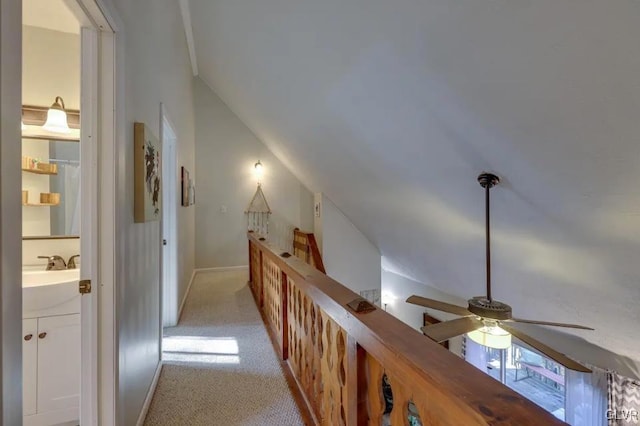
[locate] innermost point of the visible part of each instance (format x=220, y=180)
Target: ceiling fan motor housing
x=491, y=309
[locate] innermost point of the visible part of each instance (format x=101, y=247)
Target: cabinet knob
x=42, y=335
x=28, y=337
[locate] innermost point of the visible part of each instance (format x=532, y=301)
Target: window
x=531, y=374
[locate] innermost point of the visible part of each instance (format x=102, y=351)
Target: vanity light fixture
x=258, y=166
x=57, y=118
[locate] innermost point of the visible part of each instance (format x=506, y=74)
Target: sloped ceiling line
x=185, y=10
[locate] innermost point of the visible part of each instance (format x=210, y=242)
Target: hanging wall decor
x=186, y=188
x=258, y=213
x=147, y=175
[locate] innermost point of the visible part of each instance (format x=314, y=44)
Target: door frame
x=169, y=259
x=11, y=212
x=89, y=222
x=103, y=93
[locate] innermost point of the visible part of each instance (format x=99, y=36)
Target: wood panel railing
x=340, y=358
x=306, y=248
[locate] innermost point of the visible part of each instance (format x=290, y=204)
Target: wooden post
x=251, y=284
x=261, y=272
x=351, y=382
x=285, y=317
x=362, y=386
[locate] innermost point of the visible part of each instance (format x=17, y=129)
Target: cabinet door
x=58, y=362
x=29, y=365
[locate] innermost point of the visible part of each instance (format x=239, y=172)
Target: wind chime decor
x=258, y=213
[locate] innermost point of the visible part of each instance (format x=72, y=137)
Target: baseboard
x=186, y=293
x=147, y=400
x=223, y=268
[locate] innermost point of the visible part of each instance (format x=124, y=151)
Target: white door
x=169, y=293
x=88, y=362
x=58, y=361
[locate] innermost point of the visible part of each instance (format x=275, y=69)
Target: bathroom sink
x=38, y=278
x=50, y=293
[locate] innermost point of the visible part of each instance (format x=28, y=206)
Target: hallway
x=219, y=364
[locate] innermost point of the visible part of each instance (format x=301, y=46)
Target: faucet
x=71, y=264
x=55, y=262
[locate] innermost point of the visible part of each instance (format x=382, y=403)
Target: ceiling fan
x=485, y=320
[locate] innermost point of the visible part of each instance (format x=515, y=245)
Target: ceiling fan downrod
x=488, y=181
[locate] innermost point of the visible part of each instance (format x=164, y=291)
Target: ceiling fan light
x=491, y=337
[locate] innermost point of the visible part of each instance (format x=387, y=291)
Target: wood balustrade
x=340, y=358
x=306, y=248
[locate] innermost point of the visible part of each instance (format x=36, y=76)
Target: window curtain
x=624, y=400
x=586, y=397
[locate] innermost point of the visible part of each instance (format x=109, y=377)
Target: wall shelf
x=41, y=204
x=40, y=172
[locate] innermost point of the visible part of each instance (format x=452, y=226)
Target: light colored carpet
x=220, y=367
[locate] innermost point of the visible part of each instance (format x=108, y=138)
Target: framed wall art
x=147, y=175
x=186, y=187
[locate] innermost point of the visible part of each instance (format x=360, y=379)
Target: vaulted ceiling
x=392, y=108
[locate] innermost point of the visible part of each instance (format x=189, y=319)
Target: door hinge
x=85, y=287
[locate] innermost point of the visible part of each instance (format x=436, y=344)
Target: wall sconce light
x=387, y=298
x=57, y=118
x=258, y=170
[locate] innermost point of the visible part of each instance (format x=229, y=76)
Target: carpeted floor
x=219, y=365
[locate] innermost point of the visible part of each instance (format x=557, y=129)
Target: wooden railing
x=306, y=248
x=339, y=357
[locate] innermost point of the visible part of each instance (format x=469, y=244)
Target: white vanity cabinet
x=29, y=365
x=51, y=369
x=51, y=344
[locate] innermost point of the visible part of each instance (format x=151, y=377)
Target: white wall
x=226, y=182
x=10, y=221
x=50, y=67
x=156, y=68
x=400, y=288
x=348, y=256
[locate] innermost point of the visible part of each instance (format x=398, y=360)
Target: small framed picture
x=185, y=185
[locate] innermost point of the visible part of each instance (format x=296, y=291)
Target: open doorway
x=54, y=232
x=169, y=294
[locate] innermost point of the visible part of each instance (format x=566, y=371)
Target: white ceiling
x=392, y=108
x=50, y=14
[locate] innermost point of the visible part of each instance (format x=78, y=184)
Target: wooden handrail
x=339, y=357
x=306, y=248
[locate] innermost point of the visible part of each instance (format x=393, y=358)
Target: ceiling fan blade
x=555, y=324
x=551, y=353
x=448, y=329
x=438, y=305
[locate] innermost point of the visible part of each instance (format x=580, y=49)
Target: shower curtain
x=72, y=199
